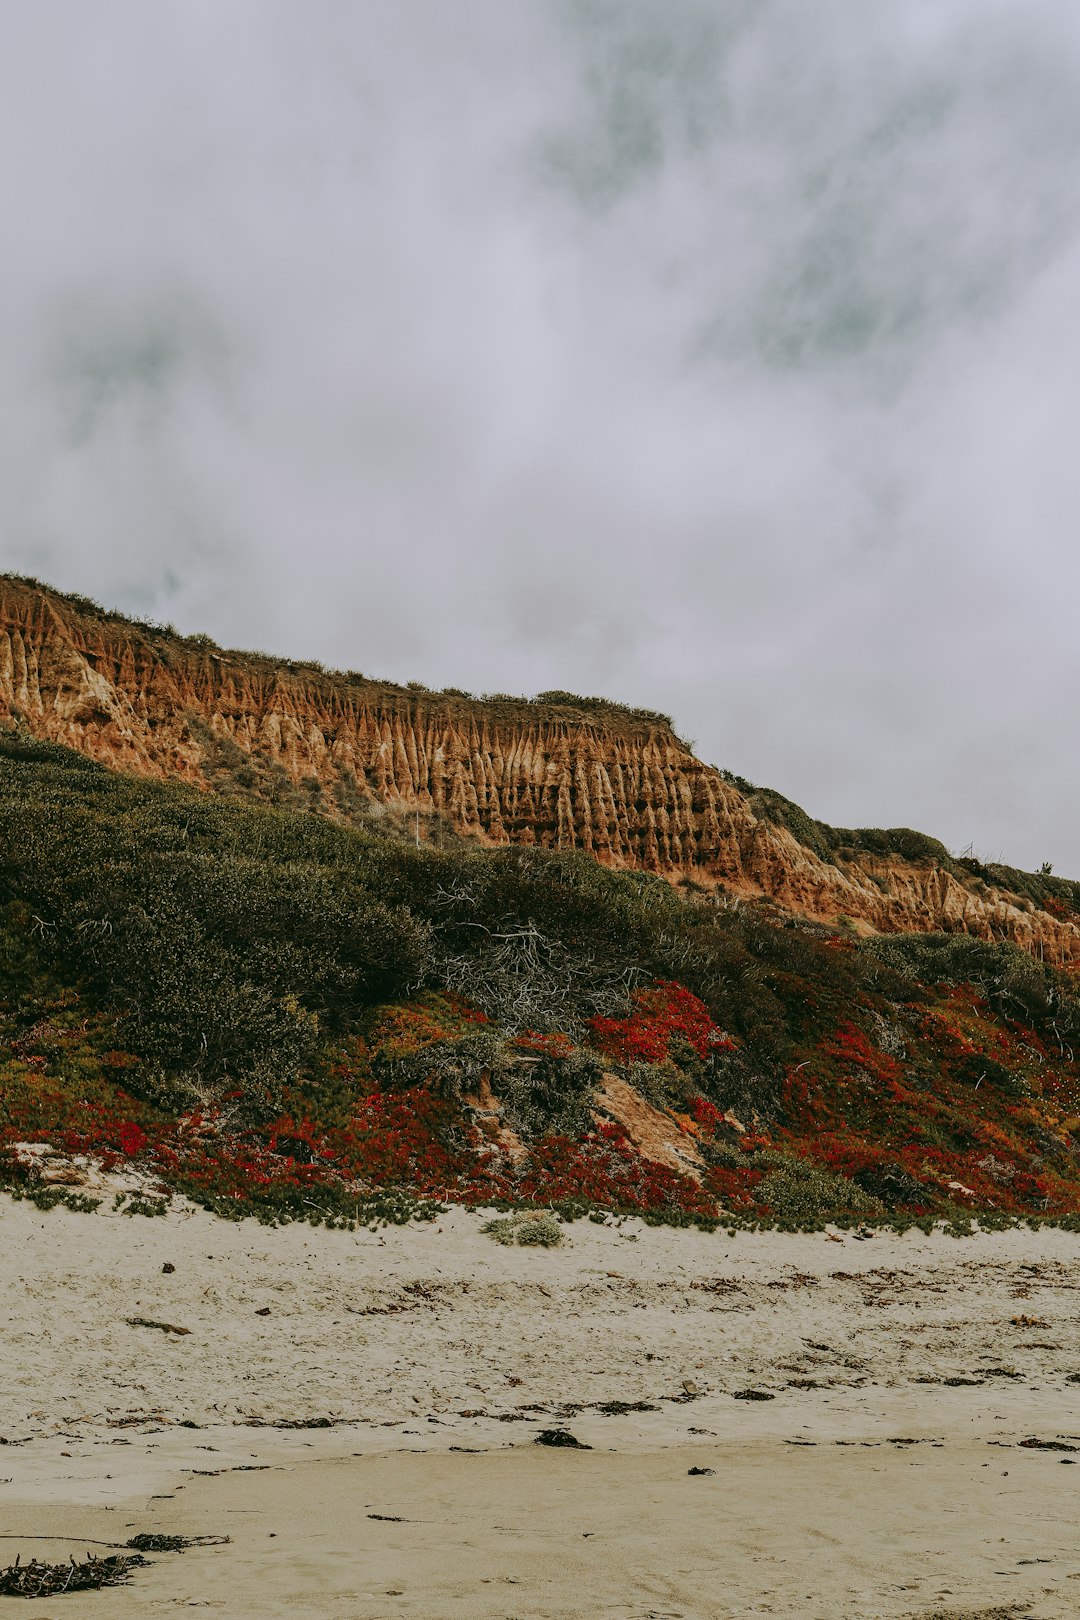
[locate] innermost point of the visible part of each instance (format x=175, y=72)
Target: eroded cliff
x=616, y=783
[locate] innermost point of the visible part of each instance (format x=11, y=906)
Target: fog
x=720, y=356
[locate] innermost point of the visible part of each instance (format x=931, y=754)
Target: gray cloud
x=716, y=355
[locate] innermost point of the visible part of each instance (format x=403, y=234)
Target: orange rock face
x=620, y=786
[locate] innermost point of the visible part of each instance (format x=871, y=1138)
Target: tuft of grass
x=527, y=1229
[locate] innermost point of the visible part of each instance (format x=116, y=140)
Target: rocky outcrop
x=657, y=1135
x=561, y=774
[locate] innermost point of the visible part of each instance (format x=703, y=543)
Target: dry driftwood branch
x=162, y=1327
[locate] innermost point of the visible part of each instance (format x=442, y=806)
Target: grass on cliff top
x=569, y=708
x=1060, y=896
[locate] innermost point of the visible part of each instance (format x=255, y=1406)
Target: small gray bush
x=529, y=1228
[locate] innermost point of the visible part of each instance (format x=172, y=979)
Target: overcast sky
x=722, y=356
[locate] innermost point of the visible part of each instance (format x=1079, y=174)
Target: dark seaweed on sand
x=151, y=1541
x=36, y=1579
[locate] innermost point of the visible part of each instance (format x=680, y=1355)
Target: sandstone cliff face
x=617, y=785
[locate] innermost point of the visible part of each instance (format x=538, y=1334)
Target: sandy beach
x=359, y=1413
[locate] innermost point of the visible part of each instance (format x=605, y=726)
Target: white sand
x=419, y=1340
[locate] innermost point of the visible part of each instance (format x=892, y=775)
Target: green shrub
x=550, y=1096
x=603, y=708
x=451, y=1067
x=662, y=1084
x=903, y=842
x=528, y=1229
x=890, y=1185
x=800, y=1190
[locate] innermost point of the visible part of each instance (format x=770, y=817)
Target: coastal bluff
x=558, y=772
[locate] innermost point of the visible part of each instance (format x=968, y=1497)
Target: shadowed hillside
x=283, y=1015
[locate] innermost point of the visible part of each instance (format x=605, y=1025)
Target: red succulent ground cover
x=660, y=1014
x=965, y=1110
x=349, y=1137
x=941, y=1116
